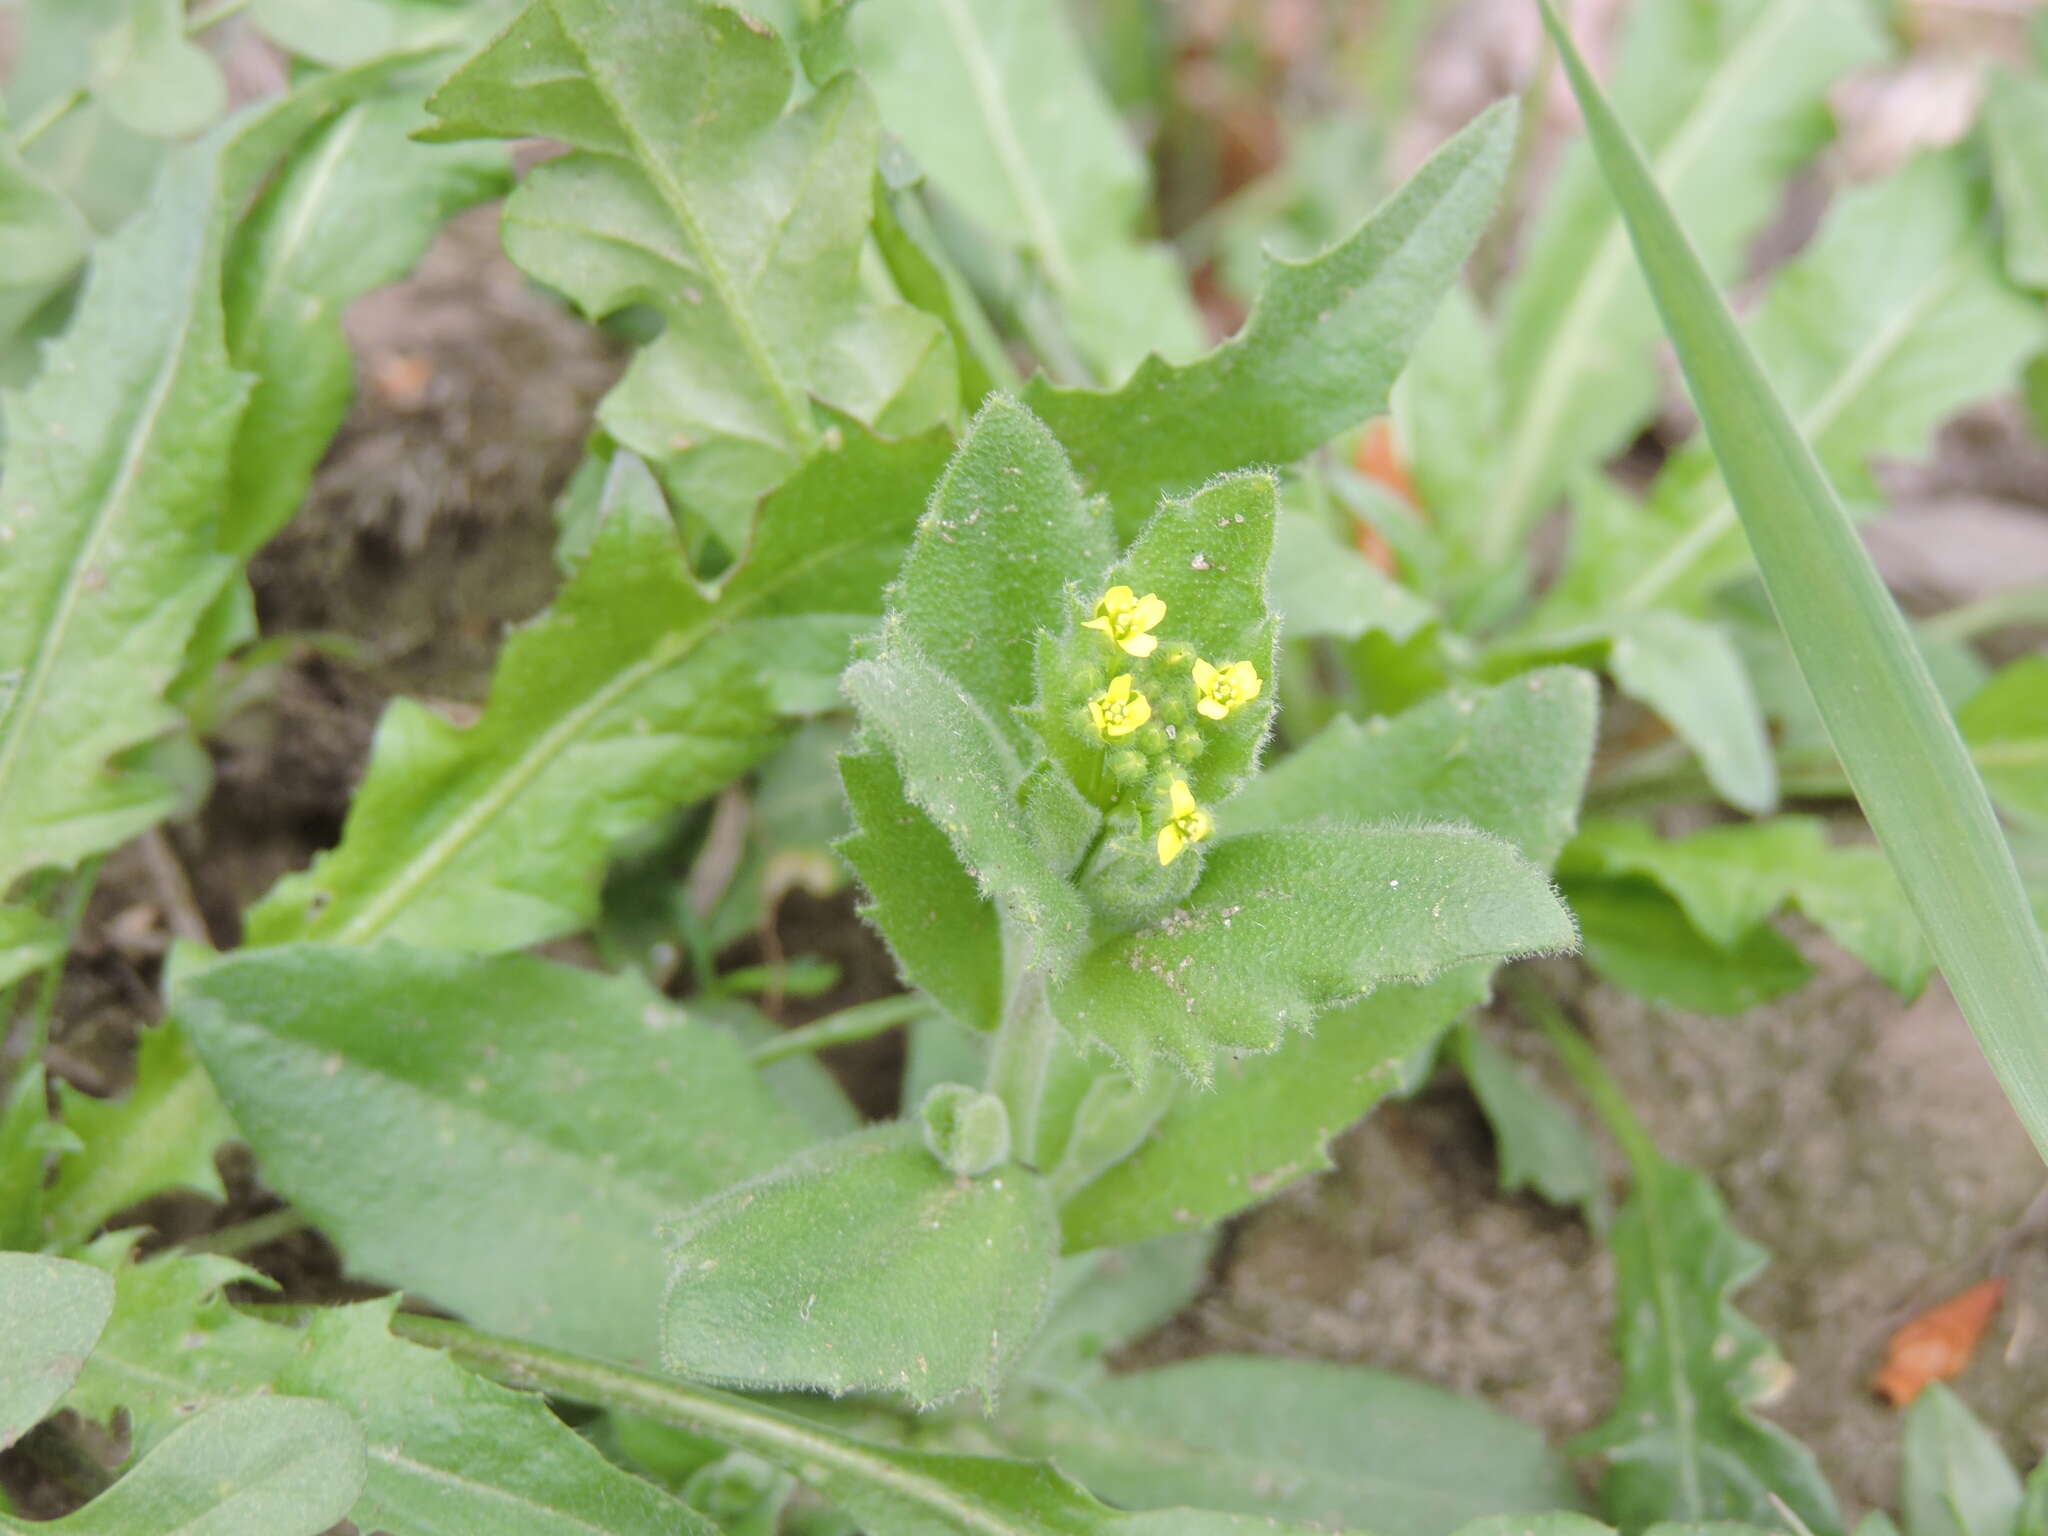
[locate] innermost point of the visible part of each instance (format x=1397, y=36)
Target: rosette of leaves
x=1051, y=735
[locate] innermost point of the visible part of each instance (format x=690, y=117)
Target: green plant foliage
x=741, y=225
x=151, y=77
x=28, y=942
x=1103, y=1300
x=1337, y=910
x=1731, y=879
x=1726, y=101
x=1540, y=1144
x=52, y=1312
x=116, y=462
x=1510, y=761
x=162, y=1134
x=2016, y=126
x=345, y=32
x=262, y=1466
x=997, y=105
x=1896, y=739
x=1318, y=354
x=1644, y=943
x=1682, y=1438
x=800, y=1278
x=352, y=210
x=1954, y=1478
x=448, y=1072
x=1323, y=587
x=2006, y=725
x=1300, y=1440
x=29, y=1139
x=882, y=1488
x=1894, y=318
x=634, y=694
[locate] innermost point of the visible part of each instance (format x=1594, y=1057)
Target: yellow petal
x=1209, y=709
x=1148, y=610
x=1116, y=600
x=1137, y=712
x=1170, y=843
x=1179, y=798
x=1119, y=688
x=1244, y=677
x=1140, y=645
x=1198, y=825
x=1101, y=624
x=1205, y=676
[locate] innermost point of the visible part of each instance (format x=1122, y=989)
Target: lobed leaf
x=501, y=1134
x=109, y=500
x=999, y=107
x=634, y=694
x=698, y=188
x=1318, y=354
x=862, y=1265
x=1644, y=943
x=1681, y=1439
x=260, y=1466
x=1538, y=1142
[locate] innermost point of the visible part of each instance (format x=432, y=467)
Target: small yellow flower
x=1189, y=823
x=1220, y=690
x=1126, y=618
x=1119, y=711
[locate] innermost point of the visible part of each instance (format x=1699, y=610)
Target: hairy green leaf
x=1103, y=1300
x=636, y=693
x=1322, y=586
x=1954, y=1478
x=1510, y=760
x=942, y=931
x=1727, y=100
x=502, y=1135
x=1910, y=769
x=261, y=1466
x=1287, y=924
x=1318, y=354
x=1298, y=1439
x=1004, y=535
x=962, y=773
x=862, y=1265
x=696, y=187
x=997, y=104
x=161, y=1134
x=52, y=1312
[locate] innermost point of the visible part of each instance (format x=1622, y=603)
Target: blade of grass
x=1902, y=752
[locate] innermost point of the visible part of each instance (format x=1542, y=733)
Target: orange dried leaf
x=1937, y=1344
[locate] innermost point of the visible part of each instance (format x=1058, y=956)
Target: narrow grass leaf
x=1896, y=739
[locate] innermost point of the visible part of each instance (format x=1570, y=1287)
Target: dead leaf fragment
x=1937, y=1344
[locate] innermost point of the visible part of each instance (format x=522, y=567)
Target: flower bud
x=965, y=1129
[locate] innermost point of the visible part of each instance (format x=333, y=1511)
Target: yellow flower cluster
x=1128, y=620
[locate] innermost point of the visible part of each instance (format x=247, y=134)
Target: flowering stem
x=1017, y=1063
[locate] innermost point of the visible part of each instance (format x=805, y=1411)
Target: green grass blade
x=1904, y=757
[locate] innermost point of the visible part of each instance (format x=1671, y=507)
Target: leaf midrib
x=27, y=699
x=1548, y=399
x=668, y=651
